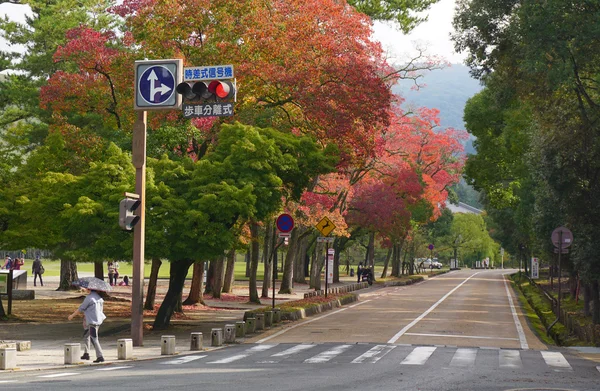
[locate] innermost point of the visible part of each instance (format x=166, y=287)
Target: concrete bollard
x=268, y=318
x=260, y=321
x=8, y=358
x=23, y=346
x=240, y=329
x=276, y=315
x=167, y=345
x=196, y=341
x=124, y=349
x=216, y=337
x=250, y=325
x=72, y=351
x=229, y=333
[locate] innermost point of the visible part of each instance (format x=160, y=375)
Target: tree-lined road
x=470, y=308
x=458, y=331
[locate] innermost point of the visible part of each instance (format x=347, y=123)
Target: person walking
x=8, y=263
x=92, y=309
x=37, y=270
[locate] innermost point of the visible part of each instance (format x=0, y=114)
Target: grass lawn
x=52, y=268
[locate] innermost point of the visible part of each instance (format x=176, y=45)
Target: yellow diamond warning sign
x=325, y=226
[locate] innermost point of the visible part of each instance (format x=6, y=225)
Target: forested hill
x=447, y=90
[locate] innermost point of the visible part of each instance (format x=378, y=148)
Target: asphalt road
x=454, y=332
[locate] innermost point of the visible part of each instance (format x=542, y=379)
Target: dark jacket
x=36, y=267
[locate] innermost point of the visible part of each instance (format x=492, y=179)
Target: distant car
x=430, y=264
x=435, y=265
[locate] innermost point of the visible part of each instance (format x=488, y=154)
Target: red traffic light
x=200, y=90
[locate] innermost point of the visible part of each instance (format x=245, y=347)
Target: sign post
x=326, y=226
x=154, y=89
x=285, y=224
x=535, y=268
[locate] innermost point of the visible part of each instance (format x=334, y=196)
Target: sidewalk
x=48, y=339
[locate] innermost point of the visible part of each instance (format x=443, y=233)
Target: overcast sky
x=434, y=33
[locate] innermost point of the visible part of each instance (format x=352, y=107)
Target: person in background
x=8, y=263
x=111, y=273
x=92, y=309
x=18, y=263
x=37, y=271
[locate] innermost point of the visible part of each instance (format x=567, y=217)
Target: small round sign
x=430, y=247
x=285, y=223
x=564, y=235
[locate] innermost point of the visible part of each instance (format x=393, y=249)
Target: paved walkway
x=48, y=339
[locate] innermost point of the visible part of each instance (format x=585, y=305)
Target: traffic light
x=207, y=91
x=126, y=217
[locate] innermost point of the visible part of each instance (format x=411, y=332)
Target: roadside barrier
x=196, y=341
x=72, y=351
x=217, y=337
x=8, y=358
x=124, y=349
x=167, y=347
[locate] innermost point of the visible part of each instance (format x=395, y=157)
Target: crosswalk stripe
x=374, y=354
x=510, y=359
x=252, y=350
x=182, y=360
x=114, y=368
x=293, y=350
x=464, y=358
x=419, y=355
x=556, y=359
x=328, y=354
x=59, y=375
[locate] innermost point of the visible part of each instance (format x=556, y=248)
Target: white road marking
x=237, y=357
x=424, y=314
x=459, y=336
x=374, y=354
x=419, y=355
x=556, y=359
x=522, y=338
x=327, y=355
x=59, y=375
x=7, y=381
x=598, y=368
x=114, y=368
x=293, y=350
x=510, y=359
x=277, y=334
x=464, y=358
x=182, y=360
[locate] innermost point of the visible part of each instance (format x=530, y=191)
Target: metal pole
x=559, y=271
x=274, y=267
x=139, y=162
x=326, y=265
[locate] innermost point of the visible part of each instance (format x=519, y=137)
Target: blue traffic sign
x=285, y=223
x=155, y=83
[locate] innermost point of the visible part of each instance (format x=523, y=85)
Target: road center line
x=277, y=334
x=459, y=336
x=424, y=314
x=522, y=338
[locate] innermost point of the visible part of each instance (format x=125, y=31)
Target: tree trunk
x=371, y=252
x=229, y=272
x=587, y=297
x=573, y=281
x=178, y=272
x=151, y=295
x=99, y=270
x=195, y=295
x=218, y=280
x=254, y=248
x=68, y=274
x=316, y=267
x=210, y=278
x=387, y=261
x=596, y=303
x=247, y=261
x=300, y=264
x=288, y=267
x=268, y=259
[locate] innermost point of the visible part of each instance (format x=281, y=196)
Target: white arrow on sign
x=163, y=89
